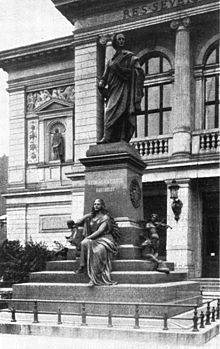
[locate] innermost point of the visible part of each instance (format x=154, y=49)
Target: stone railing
x=153, y=148
x=206, y=141
x=203, y=142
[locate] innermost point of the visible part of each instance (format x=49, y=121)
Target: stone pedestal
x=113, y=173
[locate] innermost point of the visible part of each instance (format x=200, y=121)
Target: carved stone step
x=122, y=277
x=117, y=265
x=175, y=292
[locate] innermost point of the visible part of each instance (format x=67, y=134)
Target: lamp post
x=177, y=203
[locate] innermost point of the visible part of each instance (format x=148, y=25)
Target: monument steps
x=117, y=265
x=167, y=292
x=121, y=277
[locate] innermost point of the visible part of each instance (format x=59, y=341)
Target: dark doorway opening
x=210, y=241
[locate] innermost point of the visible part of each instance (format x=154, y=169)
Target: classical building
x=53, y=90
x=3, y=188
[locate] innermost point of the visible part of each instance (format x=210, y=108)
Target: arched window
x=154, y=118
x=211, y=87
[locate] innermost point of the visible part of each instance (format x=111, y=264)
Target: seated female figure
x=100, y=241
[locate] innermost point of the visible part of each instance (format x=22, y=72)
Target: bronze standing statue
x=58, y=146
x=124, y=79
x=150, y=246
x=98, y=242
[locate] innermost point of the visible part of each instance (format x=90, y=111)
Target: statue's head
x=118, y=41
x=98, y=205
x=56, y=130
x=154, y=217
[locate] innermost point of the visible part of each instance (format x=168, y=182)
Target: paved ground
x=37, y=342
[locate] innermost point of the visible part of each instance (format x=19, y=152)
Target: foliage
x=17, y=261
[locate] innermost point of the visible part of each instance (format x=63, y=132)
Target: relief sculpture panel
x=37, y=98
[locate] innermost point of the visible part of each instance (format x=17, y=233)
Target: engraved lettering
x=164, y=5
x=127, y=14
x=155, y=6
x=135, y=11
x=144, y=10
x=172, y=3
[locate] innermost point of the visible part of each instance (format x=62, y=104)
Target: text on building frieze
x=156, y=6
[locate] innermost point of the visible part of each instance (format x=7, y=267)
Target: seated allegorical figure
x=150, y=245
x=99, y=241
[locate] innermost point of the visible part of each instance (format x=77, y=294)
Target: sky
x=25, y=22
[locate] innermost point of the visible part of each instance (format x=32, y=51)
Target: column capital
x=105, y=38
x=179, y=24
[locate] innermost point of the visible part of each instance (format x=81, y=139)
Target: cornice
x=12, y=193
x=38, y=51
x=86, y=34
x=74, y=9
x=45, y=80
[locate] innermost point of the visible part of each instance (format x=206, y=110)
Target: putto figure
x=124, y=79
x=150, y=246
x=100, y=241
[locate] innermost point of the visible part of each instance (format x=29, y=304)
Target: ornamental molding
x=135, y=193
x=36, y=51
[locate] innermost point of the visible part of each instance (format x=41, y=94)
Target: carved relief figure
x=58, y=145
x=124, y=79
x=100, y=241
x=30, y=101
x=35, y=99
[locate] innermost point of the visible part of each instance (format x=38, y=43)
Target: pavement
x=39, y=342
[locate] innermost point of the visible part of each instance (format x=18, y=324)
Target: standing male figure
x=124, y=79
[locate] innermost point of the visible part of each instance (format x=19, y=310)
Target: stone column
x=180, y=249
x=86, y=95
x=69, y=140
x=41, y=142
x=182, y=95
x=109, y=50
x=17, y=131
x=199, y=100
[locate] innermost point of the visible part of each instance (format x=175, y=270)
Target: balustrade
x=209, y=142
x=152, y=147
x=203, y=142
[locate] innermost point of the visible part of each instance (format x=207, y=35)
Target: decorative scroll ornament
x=32, y=142
x=135, y=193
x=36, y=98
x=184, y=22
x=104, y=39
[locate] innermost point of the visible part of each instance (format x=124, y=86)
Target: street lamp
x=177, y=203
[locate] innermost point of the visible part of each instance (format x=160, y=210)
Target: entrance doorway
x=210, y=240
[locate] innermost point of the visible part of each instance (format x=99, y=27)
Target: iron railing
x=201, y=316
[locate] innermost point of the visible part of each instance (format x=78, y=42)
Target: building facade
x=53, y=86
x=3, y=188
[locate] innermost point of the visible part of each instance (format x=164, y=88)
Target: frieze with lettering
x=137, y=11
x=156, y=6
